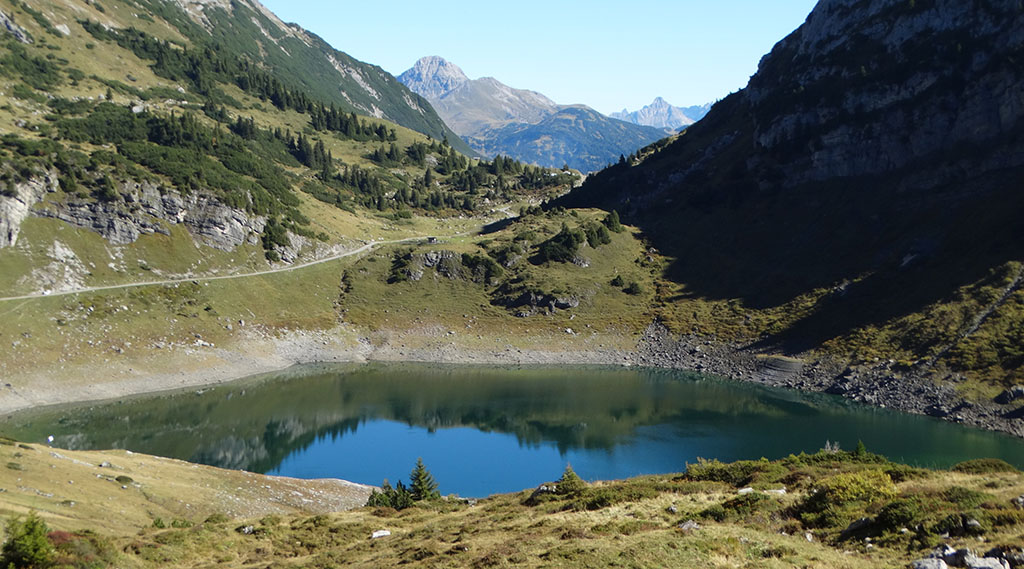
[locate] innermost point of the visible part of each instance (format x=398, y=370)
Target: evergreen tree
x=422, y=484
x=27, y=545
x=570, y=484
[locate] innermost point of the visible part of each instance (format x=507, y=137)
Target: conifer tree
x=421, y=483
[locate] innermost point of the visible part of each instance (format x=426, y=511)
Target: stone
x=1009, y=395
x=986, y=563
x=929, y=563
x=689, y=525
x=856, y=525
x=380, y=533
x=672, y=509
x=746, y=490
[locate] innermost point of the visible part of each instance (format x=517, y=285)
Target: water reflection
x=336, y=420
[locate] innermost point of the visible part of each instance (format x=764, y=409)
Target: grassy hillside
x=634, y=522
x=107, y=102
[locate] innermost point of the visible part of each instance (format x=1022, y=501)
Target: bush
x=736, y=474
x=835, y=499
x=866, y=486
x=397, y=497
x=633, y=288
x=965, y=497
x=984, y=466
x=27, y=545
x=899, y=513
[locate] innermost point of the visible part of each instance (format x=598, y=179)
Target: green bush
x=27, y=545
x=984, y=466
x=965, y=497
x=866, y=486
x=899, y=513
x=736, y=474
x=397, y=497
x=633, y=288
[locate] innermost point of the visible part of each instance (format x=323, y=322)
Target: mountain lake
x=489, y=429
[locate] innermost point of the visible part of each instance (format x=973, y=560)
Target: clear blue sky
x=601, y=53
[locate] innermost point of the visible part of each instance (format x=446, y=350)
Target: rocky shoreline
x=876, y=385
x=255, y=353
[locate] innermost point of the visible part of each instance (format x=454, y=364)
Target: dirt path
x=356, y=251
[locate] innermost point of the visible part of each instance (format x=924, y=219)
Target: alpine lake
x=488, y=429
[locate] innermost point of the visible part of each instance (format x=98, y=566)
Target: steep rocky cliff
x=141, y=208
x=865, y=182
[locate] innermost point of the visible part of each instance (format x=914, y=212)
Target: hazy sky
x=604, y=54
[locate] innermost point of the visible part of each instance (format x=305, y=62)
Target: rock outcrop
x=16, y=205
x=143, y=208
x=15, y=30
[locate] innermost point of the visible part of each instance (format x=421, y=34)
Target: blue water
x=483, y=430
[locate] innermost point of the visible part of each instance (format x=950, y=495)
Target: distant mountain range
x=661, y=114
x=497, y=119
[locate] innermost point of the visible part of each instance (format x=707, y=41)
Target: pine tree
x=422, y=484
x=27, y=545
x=570, y=484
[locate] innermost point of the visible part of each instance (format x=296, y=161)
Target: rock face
x=433, y=77
x=16, y=207
x=876, y=86
x=497, y=119
x=881, y=138
x=15, y=30
x=144, y=208
x=661, y=114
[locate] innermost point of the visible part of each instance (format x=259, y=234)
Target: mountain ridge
x=661, y=114
x=497, y=119
x=860, y=186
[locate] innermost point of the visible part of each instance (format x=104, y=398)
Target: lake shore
x=254, y=352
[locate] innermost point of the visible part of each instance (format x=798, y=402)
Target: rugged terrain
x=661, y=114
x=857, y=200
x=497, y=119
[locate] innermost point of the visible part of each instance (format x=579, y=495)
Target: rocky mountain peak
x=661, y=114
x=433, y=77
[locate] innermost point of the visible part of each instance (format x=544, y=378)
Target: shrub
x=27, y=545
x=899, y=513
x=397, y=497
x=633, y=288
x=737, y=473
x=984, y=466
x=865, y=486
x=965, y=497
x=835, y=499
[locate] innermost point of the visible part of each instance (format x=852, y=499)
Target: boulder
x=929, y=563
x=1009, y=395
